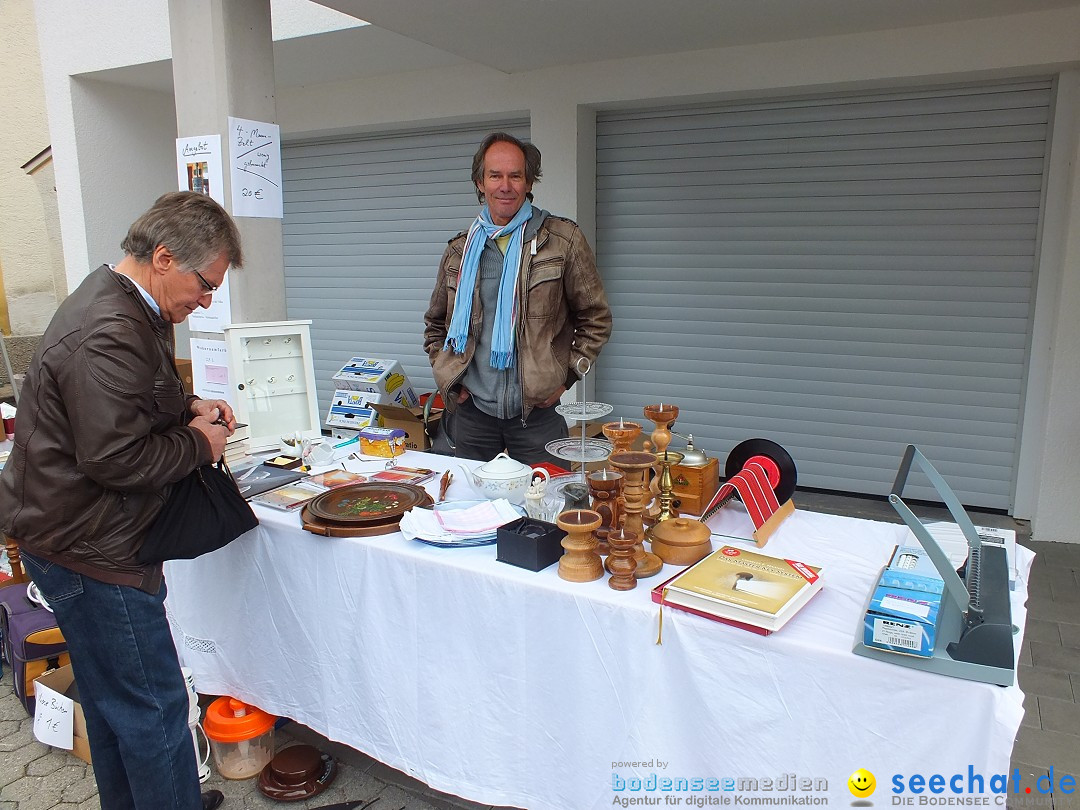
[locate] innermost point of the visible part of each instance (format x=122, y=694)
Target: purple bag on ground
x=32, y=643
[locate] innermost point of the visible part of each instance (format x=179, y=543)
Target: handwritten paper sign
x=53, y=717
x=198, y=166
x=255, y=168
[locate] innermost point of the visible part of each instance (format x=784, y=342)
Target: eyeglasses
x=210, y=288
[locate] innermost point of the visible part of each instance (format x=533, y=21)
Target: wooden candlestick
x=621, y=435
x=580, y=563
x=606, y=487
x=663, y=416
x=621, y=563
x=634, y=465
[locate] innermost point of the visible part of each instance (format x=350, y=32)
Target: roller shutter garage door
x=845, y=275
x=366, y=222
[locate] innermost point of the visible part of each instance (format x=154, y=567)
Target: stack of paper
x=459, y=523
x=954, y=544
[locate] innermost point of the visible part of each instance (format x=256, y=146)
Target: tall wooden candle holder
x=663, y=416
x=580, y=563
x=634, y=465
x=606, y=487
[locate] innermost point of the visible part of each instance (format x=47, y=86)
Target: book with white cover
x=745, y=586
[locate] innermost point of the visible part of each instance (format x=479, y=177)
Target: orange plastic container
x=241, y=737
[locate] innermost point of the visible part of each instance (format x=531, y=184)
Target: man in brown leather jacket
x=103, y=427
x=517, y=309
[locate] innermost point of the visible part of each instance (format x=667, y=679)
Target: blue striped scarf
x=502, y=339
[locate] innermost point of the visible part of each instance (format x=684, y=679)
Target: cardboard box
x=411, y=420
x=352, y=410
x=529, y=543
x=911, y=568
x=383, y=442
x=375, y=376
x=62, y=680
x=186, y=376
x=902, y=620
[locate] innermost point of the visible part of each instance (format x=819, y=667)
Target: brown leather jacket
x=564, y=314
x=100, y=433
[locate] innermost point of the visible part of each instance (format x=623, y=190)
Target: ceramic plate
x=368, y=502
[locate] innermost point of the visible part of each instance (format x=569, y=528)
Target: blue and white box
x=912, y=569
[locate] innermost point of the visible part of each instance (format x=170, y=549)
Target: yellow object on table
x=383, y=442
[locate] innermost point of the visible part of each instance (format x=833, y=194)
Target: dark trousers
x=474, y=434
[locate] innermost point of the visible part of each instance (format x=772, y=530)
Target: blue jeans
x=130, y=687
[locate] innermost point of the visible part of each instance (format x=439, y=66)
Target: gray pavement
x=34, y=776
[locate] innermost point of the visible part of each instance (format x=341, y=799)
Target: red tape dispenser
x=762, y=475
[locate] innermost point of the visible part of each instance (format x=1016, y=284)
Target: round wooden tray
x=362, y=510
x=366, y=503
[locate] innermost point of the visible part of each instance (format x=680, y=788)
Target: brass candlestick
x=580, y=563
x=621, y=563
x=634, y=465
x=665, y=498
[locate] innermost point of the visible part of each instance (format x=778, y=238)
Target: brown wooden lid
x=680, y=532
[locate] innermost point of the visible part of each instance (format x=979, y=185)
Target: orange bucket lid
x=222, y=723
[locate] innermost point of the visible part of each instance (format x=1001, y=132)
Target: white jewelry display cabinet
x=273, y=376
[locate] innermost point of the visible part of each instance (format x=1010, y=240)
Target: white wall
x=561, y=103
x=29, y=256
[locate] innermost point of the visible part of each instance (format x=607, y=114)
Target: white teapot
x=503, y=477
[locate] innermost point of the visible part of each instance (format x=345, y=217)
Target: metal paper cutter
x=975, y=629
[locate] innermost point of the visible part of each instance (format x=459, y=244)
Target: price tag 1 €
x=53, y=717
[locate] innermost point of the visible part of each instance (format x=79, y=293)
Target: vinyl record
x=777, y=461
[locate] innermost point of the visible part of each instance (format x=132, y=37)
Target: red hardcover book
x=658, y=597
x=743, y=588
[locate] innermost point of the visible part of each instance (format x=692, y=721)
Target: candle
x=620, y=423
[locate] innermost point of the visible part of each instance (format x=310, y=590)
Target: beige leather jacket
x=564, y=314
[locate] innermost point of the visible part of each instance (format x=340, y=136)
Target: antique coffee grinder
x=694, y=479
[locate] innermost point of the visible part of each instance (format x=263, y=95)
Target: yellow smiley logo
x=861, y=783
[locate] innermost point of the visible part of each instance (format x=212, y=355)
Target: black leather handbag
x=204, y=511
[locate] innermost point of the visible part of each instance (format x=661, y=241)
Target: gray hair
x=194, y=228
x=532, y=161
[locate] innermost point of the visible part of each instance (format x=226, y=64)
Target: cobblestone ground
x=36, y=777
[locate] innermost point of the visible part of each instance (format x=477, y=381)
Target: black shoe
x=212, y=799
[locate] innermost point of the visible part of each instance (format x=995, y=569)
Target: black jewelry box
x=529, y=543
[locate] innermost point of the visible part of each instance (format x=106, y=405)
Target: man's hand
x=212, y=428
x=547, y=403
x=221, y=410
x=463, y=395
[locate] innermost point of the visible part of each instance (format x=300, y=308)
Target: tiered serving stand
x=584, y=450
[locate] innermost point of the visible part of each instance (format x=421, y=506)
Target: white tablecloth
x=509, y=687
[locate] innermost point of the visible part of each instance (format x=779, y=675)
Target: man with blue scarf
x=517, y=303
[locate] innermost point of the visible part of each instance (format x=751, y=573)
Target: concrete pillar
x=223, y=64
